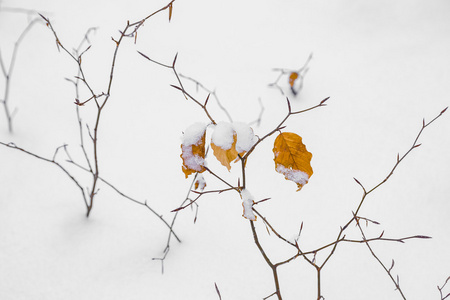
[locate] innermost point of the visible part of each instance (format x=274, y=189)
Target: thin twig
x=211, y=92
x=388, y=271
x=280, y=126
x=268, y=261
x=442, y=287
x=8, y=72
x=181, y=87
x=130, y=30
x=52, y=161
x=296, y=77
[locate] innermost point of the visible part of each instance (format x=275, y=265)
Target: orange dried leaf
x=170, y=11
x=225, y=156
x=292, y=159
x=200, y=183
x=292, y=78
x=193, y=150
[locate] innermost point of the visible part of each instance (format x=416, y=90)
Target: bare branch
x=52, y=161
x=217, y=290
x=388, y=271
x=8, y=72
x=295, y=77
x=442, y=287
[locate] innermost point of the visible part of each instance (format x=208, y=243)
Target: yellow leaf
x=292, y=159
x=193, y=150
x=292, y=78
x=225, y=156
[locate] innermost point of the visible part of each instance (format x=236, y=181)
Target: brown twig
x=210, y=92
x=272, y=266
x=442, y=287
x=52, y=161
x=299, y=77
x=280, y=126
x=341, y=236
x=217, y=290
x=181, y=88
x=366, y=193
x=129, y=31
x=388, y=271
x=8, y=72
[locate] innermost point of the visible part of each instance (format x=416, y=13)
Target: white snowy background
x=384, y=64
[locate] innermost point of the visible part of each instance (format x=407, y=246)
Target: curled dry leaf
x=200, y=183
x=225, y=156
x=292, y=159
x=230, y=140
x=223, y=143
x=193, y=149
x=292, y=78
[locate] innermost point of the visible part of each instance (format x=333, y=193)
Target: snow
x=191, y=160
x=200, y=183
x=223, y=135
x=245, y=137
x=385, y=66
x=247, y=203
x=193, y=134
x=297, y=176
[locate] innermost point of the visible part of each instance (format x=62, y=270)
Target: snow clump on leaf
x=223, y=135
x=193, y=149
x=245, y=137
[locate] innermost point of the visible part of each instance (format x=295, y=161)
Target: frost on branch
x=229, y=140
x=193, y=149
x=292, y=159
x=247, y=203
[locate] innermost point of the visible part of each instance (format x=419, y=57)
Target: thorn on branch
x=357, y=181
x=322, y=103
x=289, y=105
x=217, y=289
x=392, y=266
x=422, y=237
x=260, y=201
x=177, y=209
x=176, y=87
x=170, y=17
x=143, y=55
x=174, y=60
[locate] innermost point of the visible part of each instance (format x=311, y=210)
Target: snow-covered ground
x=384, y=64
